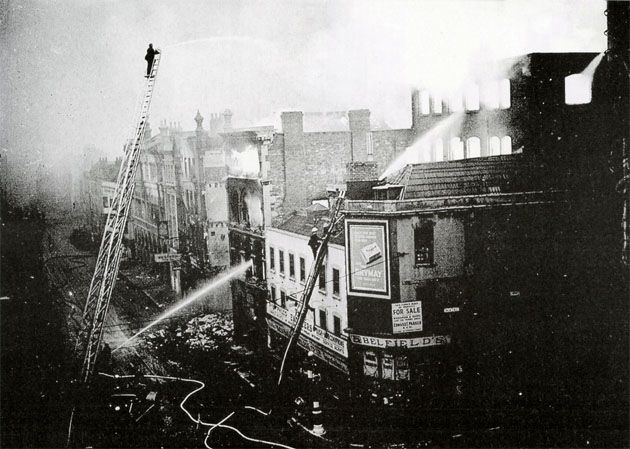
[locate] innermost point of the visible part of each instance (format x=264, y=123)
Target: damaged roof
x=475, y=176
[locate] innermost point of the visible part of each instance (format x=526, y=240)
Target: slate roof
x=476, y=176
x=302, y=225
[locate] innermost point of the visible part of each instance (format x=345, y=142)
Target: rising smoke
x=244, y=164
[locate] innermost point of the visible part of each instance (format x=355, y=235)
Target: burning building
x=464, y=266
x=247, y=190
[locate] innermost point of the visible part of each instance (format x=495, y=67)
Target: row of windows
x=472, y=148
x=302, y=268
x=492, y=95
x=279, y=297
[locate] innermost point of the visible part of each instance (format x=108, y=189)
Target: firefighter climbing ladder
x=335, y=218
x=109, y=254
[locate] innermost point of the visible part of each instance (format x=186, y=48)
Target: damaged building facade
x=473, y=264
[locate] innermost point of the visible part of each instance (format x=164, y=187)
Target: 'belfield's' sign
x=418, y=342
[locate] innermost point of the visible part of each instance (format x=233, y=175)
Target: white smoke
x=244, y=164
x=578, y=87
x=254, y=208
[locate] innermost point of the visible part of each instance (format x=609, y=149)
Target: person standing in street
x=150, y=56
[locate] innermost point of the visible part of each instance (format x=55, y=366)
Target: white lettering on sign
x=330, y=341
x=310, y=345
x=417, y=342
x=406, y=317
x=167, y=257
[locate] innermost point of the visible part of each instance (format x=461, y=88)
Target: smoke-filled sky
x=72, y=70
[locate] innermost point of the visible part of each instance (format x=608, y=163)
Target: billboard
x=367, y=258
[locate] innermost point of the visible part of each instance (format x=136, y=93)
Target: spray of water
x=263, y=44
x=420, y=150
x=200, y=293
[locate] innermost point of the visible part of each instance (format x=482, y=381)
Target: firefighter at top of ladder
x=150, y=56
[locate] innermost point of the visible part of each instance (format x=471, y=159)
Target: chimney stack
x=227, y=120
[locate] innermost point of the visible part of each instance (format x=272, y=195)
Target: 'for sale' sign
x=406, y=317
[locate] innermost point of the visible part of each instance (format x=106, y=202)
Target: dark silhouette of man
x=151, y=52
x=314, y=242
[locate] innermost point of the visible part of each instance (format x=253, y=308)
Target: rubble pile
x=207, y=334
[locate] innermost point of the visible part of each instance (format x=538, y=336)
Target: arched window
x=472, y=97
x=506, y=145
x=425, y=103
x=495, y=146
x=456, y=149
x=473, y=147
x=505, y=99
x=437, y=103
x=438, y=150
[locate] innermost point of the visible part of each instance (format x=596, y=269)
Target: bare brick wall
x=388, y=144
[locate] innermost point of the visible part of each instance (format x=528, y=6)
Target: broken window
x=272, y=258
x=283, y=298
x=423, y=244
x=273, y=294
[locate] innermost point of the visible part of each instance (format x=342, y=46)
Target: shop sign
x=167, y=257
x=387, y=367
x=406, y=317
x=309, y=345
x=418, y=342
x=367, y=258
x=325, y=338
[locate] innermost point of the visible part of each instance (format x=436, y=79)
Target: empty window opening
x=506, y=145
x=577, y=89
x=272, y=258
x=425, y=103
x=472, y=97
x=438, y=150
x=473, y=147
x=495, y=146
x=456, y=149
x=505, y=94
x=456, y=103
x=490, y=95
x=437, y=103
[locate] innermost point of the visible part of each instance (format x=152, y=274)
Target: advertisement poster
x=367, y=258
x=406, y=317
